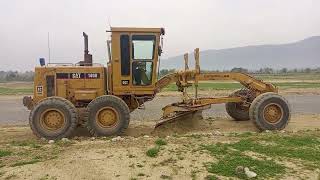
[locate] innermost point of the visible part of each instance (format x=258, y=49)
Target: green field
x=233, y=86
x=13, y=91
x=282, y=81
x=269, y=152
x=289, y=76
x=173, y=87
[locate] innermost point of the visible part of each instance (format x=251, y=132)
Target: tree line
x=266, y=70
x=16, y=76
x=28, y=75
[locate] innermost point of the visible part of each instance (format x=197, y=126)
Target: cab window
x=143, y=47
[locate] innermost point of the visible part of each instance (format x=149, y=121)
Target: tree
x=307, y=70
x=266, y=70
x=239, y=70
x=164, y=72
x=284, y=70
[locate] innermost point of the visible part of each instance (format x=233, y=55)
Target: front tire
x=237, y=110
x=107, y=115
x=53, y=118
x=270, y=111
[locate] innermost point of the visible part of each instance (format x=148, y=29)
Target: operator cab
x=133, y=61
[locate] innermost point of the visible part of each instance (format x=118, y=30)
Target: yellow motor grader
x=109, y=94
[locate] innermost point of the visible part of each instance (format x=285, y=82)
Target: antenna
x=49, y=47
x=109, y=22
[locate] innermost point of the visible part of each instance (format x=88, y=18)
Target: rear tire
x=236, y=110
x=270, y=111
x=107, y=115
x=53, y=118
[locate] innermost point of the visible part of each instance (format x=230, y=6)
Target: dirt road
x=82, y=157
x=12, y=111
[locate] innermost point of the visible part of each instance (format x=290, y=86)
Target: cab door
x=134, y=63
x=142, y=60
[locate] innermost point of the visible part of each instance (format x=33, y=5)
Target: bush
x=153, y=152
x=160, y=142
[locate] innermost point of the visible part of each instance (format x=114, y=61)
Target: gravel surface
x=12, y=112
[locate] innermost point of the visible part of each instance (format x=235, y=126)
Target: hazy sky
x=207, y=24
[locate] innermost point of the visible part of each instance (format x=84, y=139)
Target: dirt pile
x=186, y=124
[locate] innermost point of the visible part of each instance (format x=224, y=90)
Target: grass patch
x=12, y=91
x=302, y=147
x=245, y=134
x=64, y=143
x=32, y=144
x=217, y=149
x=4, y=153
x=211, y=177
x=234, y=86
x=229, y=160
x=226, y=166
x=153, y=152
x=165, y=177
x=295, y=140
x=193, y=174
x=289, y=76
x=160, y=142
x=22, y=163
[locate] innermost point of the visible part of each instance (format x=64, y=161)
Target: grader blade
x=180, y=111
x=176, y=117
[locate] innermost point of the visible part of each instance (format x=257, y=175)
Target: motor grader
x=109, y=94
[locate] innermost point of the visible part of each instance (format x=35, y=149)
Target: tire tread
x=55, y=100
x=113, y=99
x=253, y=112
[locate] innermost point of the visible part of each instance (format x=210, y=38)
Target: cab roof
x=136, y=29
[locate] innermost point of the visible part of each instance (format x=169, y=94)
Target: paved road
x=13, y=112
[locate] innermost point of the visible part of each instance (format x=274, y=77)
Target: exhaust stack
x=87, y=57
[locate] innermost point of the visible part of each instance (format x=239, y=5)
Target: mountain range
x=300, y=54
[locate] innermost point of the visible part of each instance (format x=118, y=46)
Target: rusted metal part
x=27, y=102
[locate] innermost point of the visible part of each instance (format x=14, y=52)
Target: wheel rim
x=107, y=117
x=52, y=119
x=273, y=113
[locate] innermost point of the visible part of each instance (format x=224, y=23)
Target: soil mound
x=183, y=125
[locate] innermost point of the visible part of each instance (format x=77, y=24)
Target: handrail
x=72, y=64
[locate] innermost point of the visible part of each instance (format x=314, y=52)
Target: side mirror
x=159, y=50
